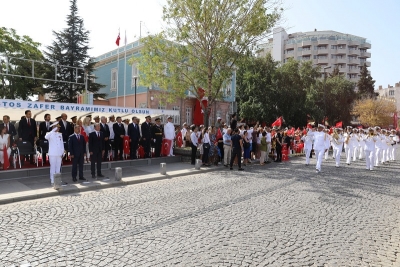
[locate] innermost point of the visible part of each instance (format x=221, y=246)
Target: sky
x=376, y=20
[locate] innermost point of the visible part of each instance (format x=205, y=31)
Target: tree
x=373, y=112
x=16, y=47
x=202, y=43
x=366, y=85
x=255, y=88
x=70, y=48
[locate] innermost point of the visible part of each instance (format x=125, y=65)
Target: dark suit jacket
x=96, y=144
x=146, y=130
x=76, y=148
x=134, y=132
x=66, y=132
x=118, y=130
x=105, y=130
x=11, y=131
x=43, y=130
x=26, y=132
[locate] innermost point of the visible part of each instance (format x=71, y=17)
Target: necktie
x=98, y=135
x=77, y=136
x=47, y=125
x=29, y=122
x=7, y=127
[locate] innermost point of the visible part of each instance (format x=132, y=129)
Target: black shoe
x=74, y=180
x=231, y=168
x=100, y=175
x=93, y=176
x=64, y=183
x=82, y=179
x=241, y=169
x=225, y=165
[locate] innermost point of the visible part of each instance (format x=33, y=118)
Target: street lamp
x=135, y=77
x=325, y=68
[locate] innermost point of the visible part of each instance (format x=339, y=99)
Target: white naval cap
x=55, y=124
x=321, y=126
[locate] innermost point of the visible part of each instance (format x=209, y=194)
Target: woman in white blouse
x=4, y=141
x=206, y=147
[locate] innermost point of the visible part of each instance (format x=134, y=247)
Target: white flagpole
x=118, y=71
x=125, y=72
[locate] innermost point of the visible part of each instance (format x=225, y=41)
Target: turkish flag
x=6, y=159
x=278, y=122
x=141, y=152
x=395, y=120
x=127, y=147
x=331, y=130
x=179, y=141
x=219, y=134
x=118, y=38
x=309, y=126
x=339, y=124
x=166, y=146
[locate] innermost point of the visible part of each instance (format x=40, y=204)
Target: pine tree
x=366, y=84
x=68, y=50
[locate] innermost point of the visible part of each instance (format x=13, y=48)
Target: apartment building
x=324, y=48
x=390, y=93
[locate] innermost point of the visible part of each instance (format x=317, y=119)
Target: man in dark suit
x=66, y=127
x=106, y=133
x=27, y=131
x=96, y=150
x=10, y=128
x=134, y=136
x=44, y=127
x=146, y=136
x=157, y=134
x=119, y=133
x=77, y=150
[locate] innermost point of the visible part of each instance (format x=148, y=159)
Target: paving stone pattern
x=281, y=214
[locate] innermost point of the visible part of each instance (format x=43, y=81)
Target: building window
x=176, y=119
x=189, y=116
x=113, y=80
x=391, y=92
x=228, y=89
x=161, y=106
x=135, y=73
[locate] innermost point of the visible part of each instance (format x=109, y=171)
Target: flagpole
x=117, y=70
x=125, y=72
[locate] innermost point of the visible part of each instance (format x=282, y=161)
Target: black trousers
x=157, y=147
x=221, y=149
x=194, y=153
x=146, y=147
x=134, y=146
x=278, y=153
x=119, y=149
x=95, y=158
x=206, y=151
x=75, y=162
x=236, y=153
x=106, y=149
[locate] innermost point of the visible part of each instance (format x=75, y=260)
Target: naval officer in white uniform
x=56, y=150
x=321, y=145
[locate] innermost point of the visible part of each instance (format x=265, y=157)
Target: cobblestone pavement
x=275, y=215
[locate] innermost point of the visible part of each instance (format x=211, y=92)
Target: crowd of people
x=97, y=139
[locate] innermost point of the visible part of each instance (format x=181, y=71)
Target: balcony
x=368, y=63
x=289, y=46
x=365, y=54
x=354, y=52
x=353, y=70
x=323, y=61
x=322, y=51
x=306, y=52
x=365, y=45
x=289, y=55
x=323, y=42
x=341, y=60
x=306, y=43
x=354, y=61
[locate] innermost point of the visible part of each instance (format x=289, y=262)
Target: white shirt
x=206, y=138
x=110, y=126
x=194, y=139
x=184, y=131
x=268, y=137
x=321, y=141
x=337, y=143
x=308, y=140
x=56, y=144
x=369, y=143
x=169, y=131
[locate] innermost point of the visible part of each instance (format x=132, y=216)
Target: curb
x=37, y=194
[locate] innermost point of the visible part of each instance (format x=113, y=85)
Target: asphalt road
x=281, y=214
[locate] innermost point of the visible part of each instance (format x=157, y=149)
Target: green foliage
x=202, y=43
x=70, y=48
x=366, y=85
x=13, y=45
x=292, y=90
